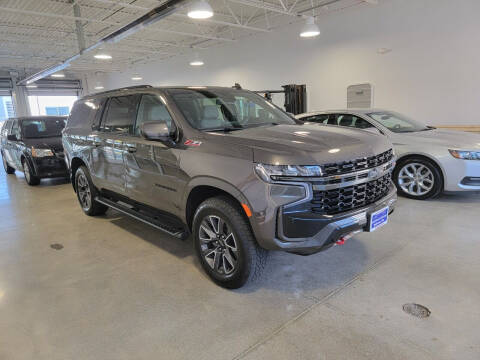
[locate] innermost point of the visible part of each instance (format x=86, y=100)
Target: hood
x=52, y=143
x=453, y=139
x=306, y=144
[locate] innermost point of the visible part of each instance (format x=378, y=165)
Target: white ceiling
x=35, y=34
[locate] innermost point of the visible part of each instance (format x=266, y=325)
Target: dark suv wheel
x=418, y=178
x=8, y=168
x=225, y=245
x=30, y=178
x=86, y=193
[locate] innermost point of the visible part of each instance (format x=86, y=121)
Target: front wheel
x=225, y=245
x=31, y=179
x=86, y=193
x=418, y=178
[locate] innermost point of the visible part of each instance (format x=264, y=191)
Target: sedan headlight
x=465, y=155
x=279, y=172
x=41, y=152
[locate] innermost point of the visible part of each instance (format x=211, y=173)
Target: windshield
x=226, y=109
x=40, y=128
x=397, y=123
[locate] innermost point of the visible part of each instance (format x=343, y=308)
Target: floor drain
x=417, y=310
x=57, y=246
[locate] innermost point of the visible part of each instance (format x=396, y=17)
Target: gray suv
x=231, y=169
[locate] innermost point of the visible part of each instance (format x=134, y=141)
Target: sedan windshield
x=43, y=127
x=396, y=122
x=220, y=109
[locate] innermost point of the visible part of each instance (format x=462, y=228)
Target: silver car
x=429, y=160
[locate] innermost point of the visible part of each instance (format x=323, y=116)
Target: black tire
x=250, y=258
x=437, y=178
x=31, y=179
x=8, y=168
x=86, y=193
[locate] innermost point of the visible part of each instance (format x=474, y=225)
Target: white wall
x=431, y=74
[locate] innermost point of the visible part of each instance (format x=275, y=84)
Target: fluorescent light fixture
x=200, y=9
x=58, y=75
x=102, y=56
x=99, y=87
x=32, y=86
x=310, y=29
x=136, y=78
x=196, y=63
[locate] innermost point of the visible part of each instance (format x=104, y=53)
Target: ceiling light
x=102, y=56
x=201, y=9
x=136, y=78
x=32, y=86
x=58, y=75
x=310, y=29
x=99, y=87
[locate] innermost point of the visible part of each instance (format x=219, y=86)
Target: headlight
x=465, y=155
x=279, y=172
x=41, y=152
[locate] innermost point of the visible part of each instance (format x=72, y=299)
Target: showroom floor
x=119, y=289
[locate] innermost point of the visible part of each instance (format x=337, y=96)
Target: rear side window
x=16, y=129
x=120, y=116
x=352, y=121
x=84, y=112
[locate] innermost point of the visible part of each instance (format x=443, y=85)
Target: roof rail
x=120, y=89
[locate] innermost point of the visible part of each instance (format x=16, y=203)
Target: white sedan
x=429, y=160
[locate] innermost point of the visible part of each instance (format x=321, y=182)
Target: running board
x=156, y=222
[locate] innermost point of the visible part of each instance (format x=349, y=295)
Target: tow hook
x=344, y=238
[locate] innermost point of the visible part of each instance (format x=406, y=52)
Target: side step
x=157, y=222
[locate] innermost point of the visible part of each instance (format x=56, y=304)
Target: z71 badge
x=191, y=142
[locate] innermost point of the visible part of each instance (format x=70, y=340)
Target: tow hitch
x=344, y=238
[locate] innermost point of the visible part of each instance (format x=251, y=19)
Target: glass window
x=16, y=129
x=153, y=109
x=219, y=109
x=7, y=110
x=121, y=114
x=51, y=105
x=321, y=118
x=43, y=127
x=83, y=113
x=397, y=122
x=6, y=127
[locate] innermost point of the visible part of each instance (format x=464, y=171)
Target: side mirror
x=12, y=137
x=154, y=130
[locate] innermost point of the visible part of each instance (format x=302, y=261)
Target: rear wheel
x=418, y=178
x=225, y=245
x=30, y=178
x=8, y=168
x=86, y=193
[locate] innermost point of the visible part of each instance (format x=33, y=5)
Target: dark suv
x=34, y=145
x=230, y=168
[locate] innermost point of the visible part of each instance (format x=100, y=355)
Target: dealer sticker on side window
x=378, y=218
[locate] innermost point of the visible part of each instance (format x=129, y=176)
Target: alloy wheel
x=416, y=179
x=218, y=245
x=26, y=171
x=84, y=193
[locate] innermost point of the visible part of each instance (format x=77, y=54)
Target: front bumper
x=460, y=175
x=50, y=167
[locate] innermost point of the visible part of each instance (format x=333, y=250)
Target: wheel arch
x=201, y=189
x=408, y=156
x=75, y=163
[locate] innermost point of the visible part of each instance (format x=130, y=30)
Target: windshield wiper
x=224, y=129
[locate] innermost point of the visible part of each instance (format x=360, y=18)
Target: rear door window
x=120, y=115
x=84, y=113
x=350, y=120
x=321, y=118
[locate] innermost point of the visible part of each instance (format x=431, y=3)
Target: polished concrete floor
x=119, y=289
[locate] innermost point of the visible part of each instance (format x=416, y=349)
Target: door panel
x=14, y=147
x=151, y=166
x=117, y=125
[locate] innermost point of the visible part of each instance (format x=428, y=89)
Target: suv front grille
x=351, y=197
x=358, y=164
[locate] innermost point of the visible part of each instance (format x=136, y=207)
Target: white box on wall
x=360, y=96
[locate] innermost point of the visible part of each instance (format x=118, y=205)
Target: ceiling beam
x=214, y=21
x=265, y=6
x=78, y=26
